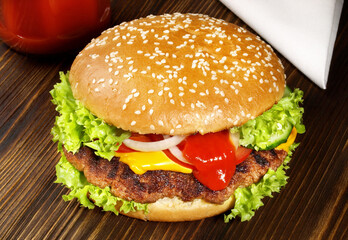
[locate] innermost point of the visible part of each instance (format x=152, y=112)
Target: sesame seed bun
x=177, y=74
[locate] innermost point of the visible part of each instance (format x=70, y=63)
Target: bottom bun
x=176, y=210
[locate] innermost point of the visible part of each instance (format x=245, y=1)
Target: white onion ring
x=175, y=151
x=234, y=137
x=154, y=146
x=178, y=154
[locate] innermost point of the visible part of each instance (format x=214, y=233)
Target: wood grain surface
x=313, y=205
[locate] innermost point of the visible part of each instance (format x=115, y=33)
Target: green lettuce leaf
x=89, y=195
x=249, y=199
x=266, y=131
x=76, y=126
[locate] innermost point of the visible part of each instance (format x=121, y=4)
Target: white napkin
x=303, y=31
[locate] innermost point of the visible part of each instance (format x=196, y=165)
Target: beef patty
x=154, y=185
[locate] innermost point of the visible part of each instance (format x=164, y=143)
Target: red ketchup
x=51, y=26
x=213, y=155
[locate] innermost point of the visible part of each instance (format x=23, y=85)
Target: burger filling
x=158, y=184
x=212, y=158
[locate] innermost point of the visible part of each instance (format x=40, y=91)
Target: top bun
x=177, y=74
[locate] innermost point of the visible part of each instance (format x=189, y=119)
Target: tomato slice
x=242, y=153
x=124, y=149
x=140, y=137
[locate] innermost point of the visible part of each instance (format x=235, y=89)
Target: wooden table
x=313, y=205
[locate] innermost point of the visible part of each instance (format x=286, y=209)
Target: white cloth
x=303, y=31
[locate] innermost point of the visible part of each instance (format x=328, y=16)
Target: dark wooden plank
x=313, y=205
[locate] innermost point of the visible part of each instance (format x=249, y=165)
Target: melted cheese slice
x=291, y=139
x=140, y=162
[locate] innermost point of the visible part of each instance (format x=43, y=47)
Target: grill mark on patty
x=242, y=168
x=113, y=170
x=154, y=185
x=259, y=159
x=273, y=152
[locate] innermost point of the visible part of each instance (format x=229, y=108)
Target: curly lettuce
x=76, y=126
x=274, y=126
x=89, y=195
x=249, y=199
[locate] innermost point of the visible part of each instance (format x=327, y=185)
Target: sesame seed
x=94, y=56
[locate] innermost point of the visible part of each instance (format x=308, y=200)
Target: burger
x=176, y=117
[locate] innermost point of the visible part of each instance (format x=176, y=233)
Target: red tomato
x=140, y=137
x=213, y=156
x=52, y=26
x=242, y=153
